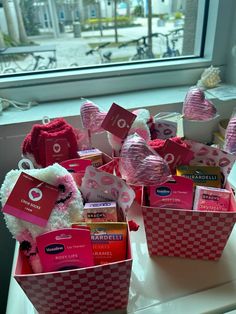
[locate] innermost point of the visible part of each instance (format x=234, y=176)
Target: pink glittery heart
x=196, y=107
x=139, y=165
x=92, y=117
x=230, y=136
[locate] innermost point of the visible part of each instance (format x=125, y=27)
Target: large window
x=97, y=47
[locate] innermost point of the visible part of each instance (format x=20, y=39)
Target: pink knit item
x=196, y=107
x=140, y=165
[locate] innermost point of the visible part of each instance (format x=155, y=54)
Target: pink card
x=31, y=200
x=173, y=194
x=65, y=249
x=211, y=156
x=100, y=186
x=118, y=121
x=56, y=150
x=176, y=155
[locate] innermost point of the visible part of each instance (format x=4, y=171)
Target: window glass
x=39, y=35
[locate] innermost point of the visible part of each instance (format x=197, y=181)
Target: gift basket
x=68, y=213
x=192, y=214
x=188, y=207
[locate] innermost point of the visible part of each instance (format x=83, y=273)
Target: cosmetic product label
x=201, y=175
x=211, y=199
x=100, y=212
x=65, y=249
x=31, y=200
x=177, y=193
x=56, y=150
x=118, y=121
x=109, y=241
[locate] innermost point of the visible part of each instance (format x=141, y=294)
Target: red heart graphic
x=35, y=194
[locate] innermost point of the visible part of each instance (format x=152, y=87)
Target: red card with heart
x=118, y=121
x=31, y=200
x=56, y=150
x=175, y=155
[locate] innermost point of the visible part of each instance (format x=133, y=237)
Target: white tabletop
x=166, y=284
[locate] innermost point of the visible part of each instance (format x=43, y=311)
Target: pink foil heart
x=140, y=165
x=230, y=136
x=92, y=117
x=196, y=107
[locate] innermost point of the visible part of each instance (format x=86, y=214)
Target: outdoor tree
x=29, y=17
x=115, y=21
x=150, y=24
x=2, y=43
x=10, y=22
x=22, y=33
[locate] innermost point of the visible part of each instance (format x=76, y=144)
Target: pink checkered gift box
x=85, y=290
x=187, y=233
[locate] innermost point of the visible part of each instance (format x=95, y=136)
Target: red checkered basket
x=187, y=233
x=85, y=290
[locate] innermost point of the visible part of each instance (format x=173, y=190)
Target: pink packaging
x=65, y=249
x=177, y=193
x=211, y=199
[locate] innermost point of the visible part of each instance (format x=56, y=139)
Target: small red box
x=187, y=233
x=81, y=291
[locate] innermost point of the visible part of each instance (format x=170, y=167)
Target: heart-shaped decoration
x=140, y=165
x=230, y=136
x=56, y=148
x=35, y=194
x=196, y=107
x=92, y=117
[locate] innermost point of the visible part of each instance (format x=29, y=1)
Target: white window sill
x=69, y=108
x=166, y=99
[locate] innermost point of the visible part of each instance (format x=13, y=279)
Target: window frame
x=105, y=80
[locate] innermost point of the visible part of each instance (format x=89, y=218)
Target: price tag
x=31, y=200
